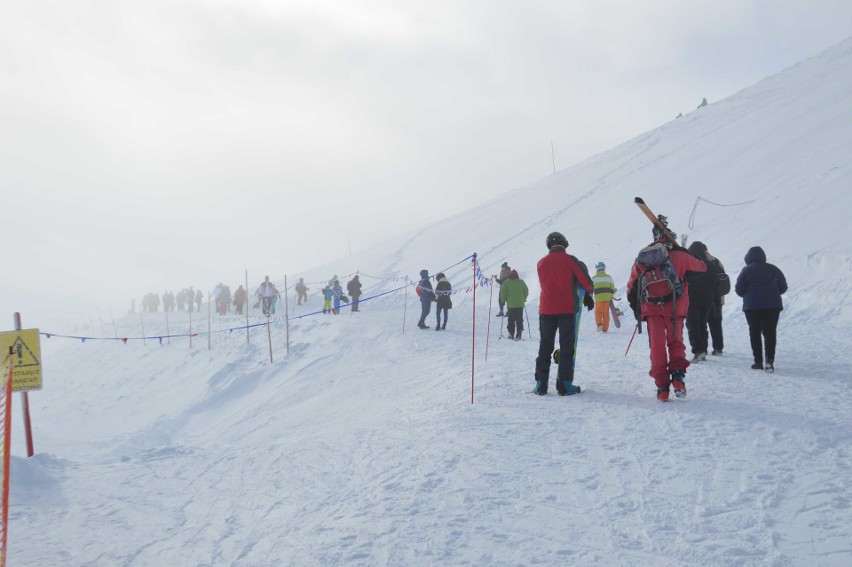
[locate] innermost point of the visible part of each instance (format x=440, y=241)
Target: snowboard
x=616, y=314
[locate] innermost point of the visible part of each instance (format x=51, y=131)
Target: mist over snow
x=361, y=445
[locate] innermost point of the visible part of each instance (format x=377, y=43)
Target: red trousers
x=668, y=352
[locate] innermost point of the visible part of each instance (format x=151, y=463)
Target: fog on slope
x=361, y=446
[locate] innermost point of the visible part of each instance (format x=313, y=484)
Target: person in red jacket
x=664, y=321
x=559, y=275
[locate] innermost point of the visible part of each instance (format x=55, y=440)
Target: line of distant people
x=267, y=298
x=180, y=301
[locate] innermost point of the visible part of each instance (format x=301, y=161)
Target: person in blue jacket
x=761, y=286
x=427, y=296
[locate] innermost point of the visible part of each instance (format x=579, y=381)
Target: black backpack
x=658, y=280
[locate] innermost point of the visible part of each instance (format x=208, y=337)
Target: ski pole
x=631, y=338
x=528, y=321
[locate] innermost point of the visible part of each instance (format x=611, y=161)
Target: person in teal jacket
x=513, y=293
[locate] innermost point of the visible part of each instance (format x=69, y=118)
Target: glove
x=589, y=301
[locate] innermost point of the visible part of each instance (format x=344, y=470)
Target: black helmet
x=556, y=239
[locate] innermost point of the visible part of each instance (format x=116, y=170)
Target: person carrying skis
x=761, y=286
x=354, y=289
x=559, y=275
x=505, y=270
x=443, y=291
x=301, y=292
x=664, y=313
x=427, y=296
x=513, y=294
x=604, y=291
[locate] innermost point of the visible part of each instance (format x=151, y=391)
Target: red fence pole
x=7, y=458
x=473, y=335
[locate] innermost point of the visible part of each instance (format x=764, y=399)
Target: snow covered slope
x=361, y=445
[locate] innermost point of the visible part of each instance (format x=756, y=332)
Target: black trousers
x=696, y=326
x=438, y=310
x=715, y=323
x=761, y=325
x=548, y=325
x=516, y=321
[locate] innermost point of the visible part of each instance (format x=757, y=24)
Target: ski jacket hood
x=760, y=284
x=698, y=249
x=755, y=254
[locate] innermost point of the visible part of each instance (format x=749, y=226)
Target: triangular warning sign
x=22, y=354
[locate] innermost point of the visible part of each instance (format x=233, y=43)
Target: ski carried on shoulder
x=653, y=218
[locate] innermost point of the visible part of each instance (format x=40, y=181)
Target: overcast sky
x=152, y=145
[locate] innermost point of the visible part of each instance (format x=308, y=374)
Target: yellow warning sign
x=25, y=356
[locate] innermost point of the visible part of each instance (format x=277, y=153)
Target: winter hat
x=698, y=248
x=514, y=274
x=424, y=274
x=505, y=265
x=556, y=239
x=440, y=276
x=600, y=266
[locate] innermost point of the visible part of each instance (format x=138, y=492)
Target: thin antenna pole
x=112, y=317
x=553, y=156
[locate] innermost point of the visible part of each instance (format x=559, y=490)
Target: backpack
x=658, y=281
x=724, y=283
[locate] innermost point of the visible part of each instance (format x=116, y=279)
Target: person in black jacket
x=443, y=290
x=723, y=287
x=702, y=296
x=761, y=286
x=354, y=289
